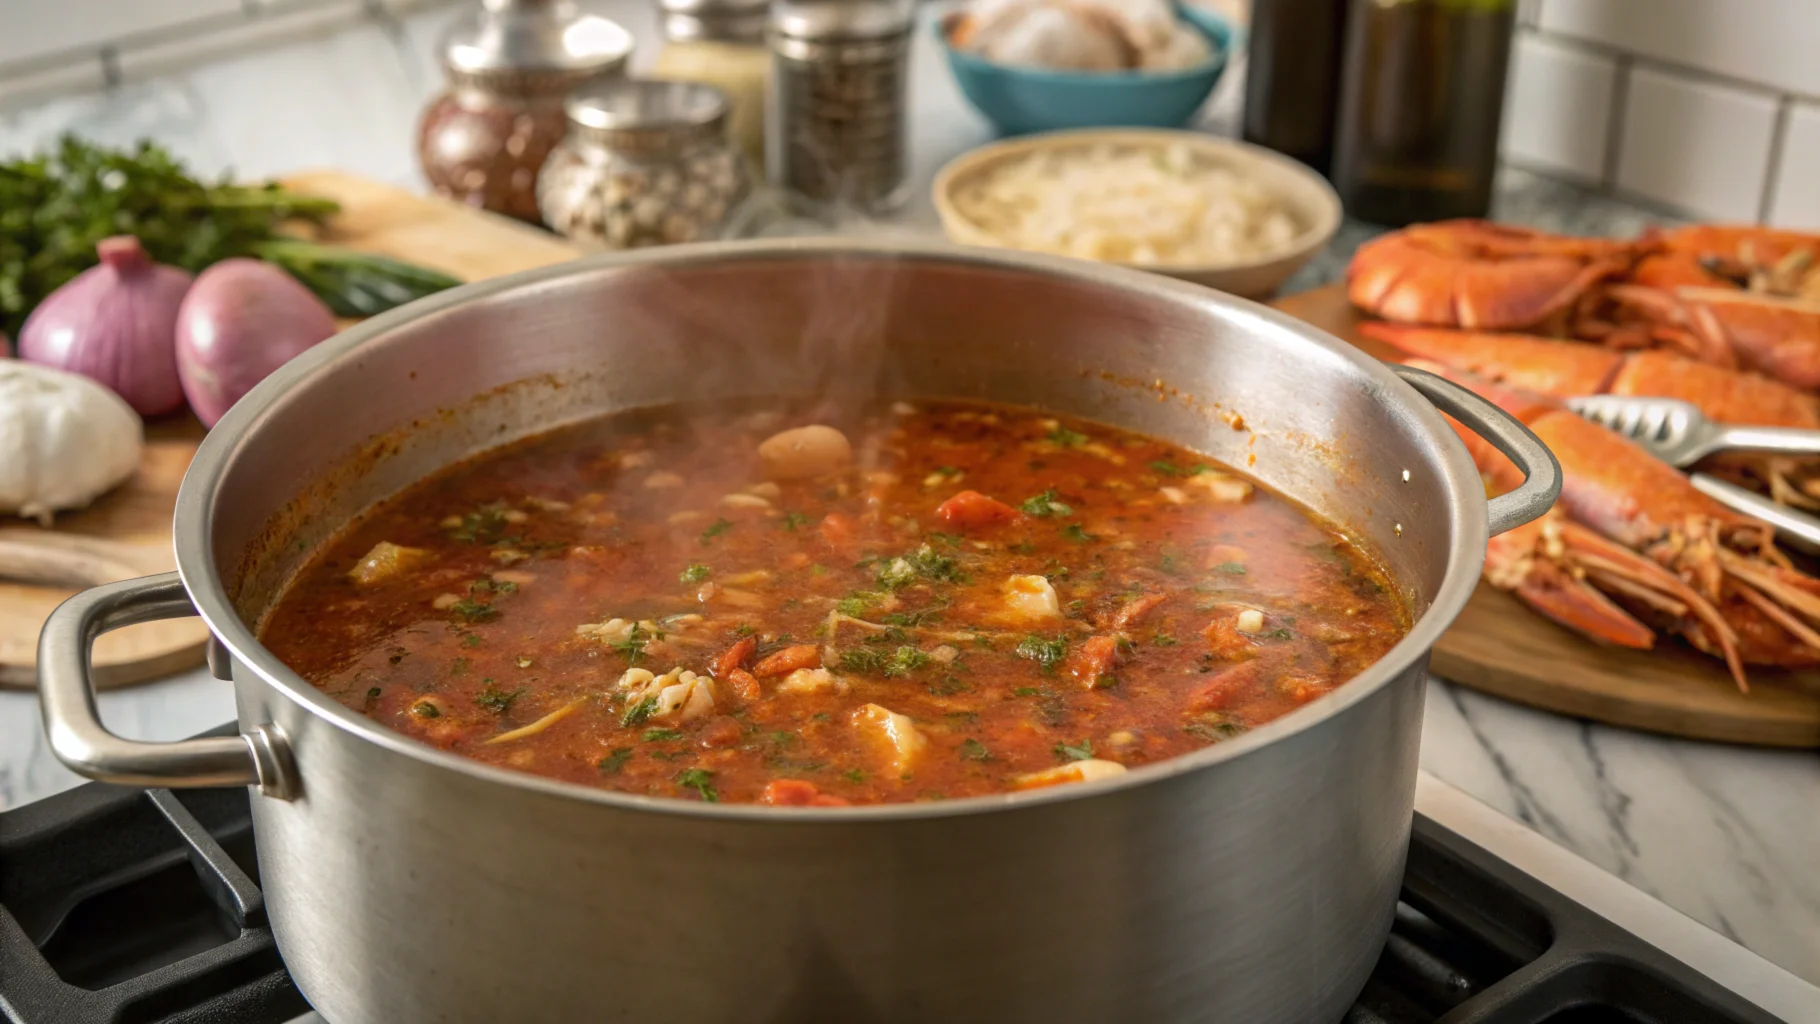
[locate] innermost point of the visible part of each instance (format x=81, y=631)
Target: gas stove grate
x=124, y=906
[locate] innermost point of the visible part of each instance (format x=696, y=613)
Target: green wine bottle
x=1421, y=97
x=1292, y=77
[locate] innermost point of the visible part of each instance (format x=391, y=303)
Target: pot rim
x=201, y=576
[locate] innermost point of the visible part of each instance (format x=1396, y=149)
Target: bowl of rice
x=1221, y=213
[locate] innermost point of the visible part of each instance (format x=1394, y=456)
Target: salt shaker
x=836, y=116
x=646, y=162
x=509, y=67
x=721, y=43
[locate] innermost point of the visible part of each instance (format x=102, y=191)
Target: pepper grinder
x=510, y=65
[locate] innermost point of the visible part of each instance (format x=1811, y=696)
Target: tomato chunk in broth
x=941, y=600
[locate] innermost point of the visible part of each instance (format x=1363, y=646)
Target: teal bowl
x=1020, y=100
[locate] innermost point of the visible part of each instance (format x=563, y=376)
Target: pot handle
x=258, y=757
x=1541, y=473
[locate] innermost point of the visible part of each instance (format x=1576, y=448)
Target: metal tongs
x=1679, y=434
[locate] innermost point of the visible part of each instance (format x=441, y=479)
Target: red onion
x=115, y=323
x=242, y=320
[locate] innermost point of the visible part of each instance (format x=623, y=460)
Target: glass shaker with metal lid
x=646, y=163
x=837, y=111
x=510, y=66
x=721, y=43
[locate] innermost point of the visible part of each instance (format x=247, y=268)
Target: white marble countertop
x=1727, y=835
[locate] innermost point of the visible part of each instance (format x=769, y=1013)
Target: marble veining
x=1727, y=835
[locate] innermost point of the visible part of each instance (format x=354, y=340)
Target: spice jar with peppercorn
x=510, y=67
x=646, y=162
x=721, y=43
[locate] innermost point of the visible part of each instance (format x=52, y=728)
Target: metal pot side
x=1253, y=881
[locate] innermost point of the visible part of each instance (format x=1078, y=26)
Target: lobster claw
x=1517, y=561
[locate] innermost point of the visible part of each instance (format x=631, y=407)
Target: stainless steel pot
x=1252, y=881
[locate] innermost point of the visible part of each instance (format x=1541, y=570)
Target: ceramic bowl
x=1305, y=194
x=1020, y=100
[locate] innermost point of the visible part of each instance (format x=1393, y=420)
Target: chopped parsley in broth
x=738, y=606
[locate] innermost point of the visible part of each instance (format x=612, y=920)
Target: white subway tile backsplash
x=34, y=28
x=1772, y=42
x=1557, y=108
x=1696, y=145
x=1795, y=203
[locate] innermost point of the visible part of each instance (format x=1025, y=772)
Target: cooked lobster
x=1632, y=545
x=1565, y=369
x=1729, y=296
x=1479, y=275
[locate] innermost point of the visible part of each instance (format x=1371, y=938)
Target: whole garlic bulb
x=64, y=440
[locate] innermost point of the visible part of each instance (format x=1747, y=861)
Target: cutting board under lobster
x=128, y=531
x=1502, y=648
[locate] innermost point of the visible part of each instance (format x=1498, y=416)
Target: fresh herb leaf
x=904, y=661
x=718, y=527
x=1213, y=729
x=1026, y=691
x=894, y=574
x=426, y=709
x=496, y=700
x=856, y=604
x=818, y=569
x=474, y=611
x=1065, y=438
x=613, y=762
x=373, y=692
x=637, y=713
x=1164, y=640
x=661, y=735
x=695, y=573
x=1022, y=547
x=1045, y=506
x=944, y=538
x=459, y=666
x=1279, y=633
x=1163, y=467
x=471, y=640
x=863, y=659
x=792, y=521
x=1231, y=568
x=924, y=563
x=1170, y=564
x=481, y=526
x=699, y=779
x=633, y=646
x=1077, y=533
x=974, y=750
x=1081, y=751
x=915, y=619
x=853, y=775
x=1042, y=650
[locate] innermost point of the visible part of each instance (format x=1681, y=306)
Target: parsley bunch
x=55, y=206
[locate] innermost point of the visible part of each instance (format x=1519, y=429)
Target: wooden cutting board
x=127, y=532
x=1502, y=648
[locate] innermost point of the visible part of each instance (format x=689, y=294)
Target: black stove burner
x=125, y=906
